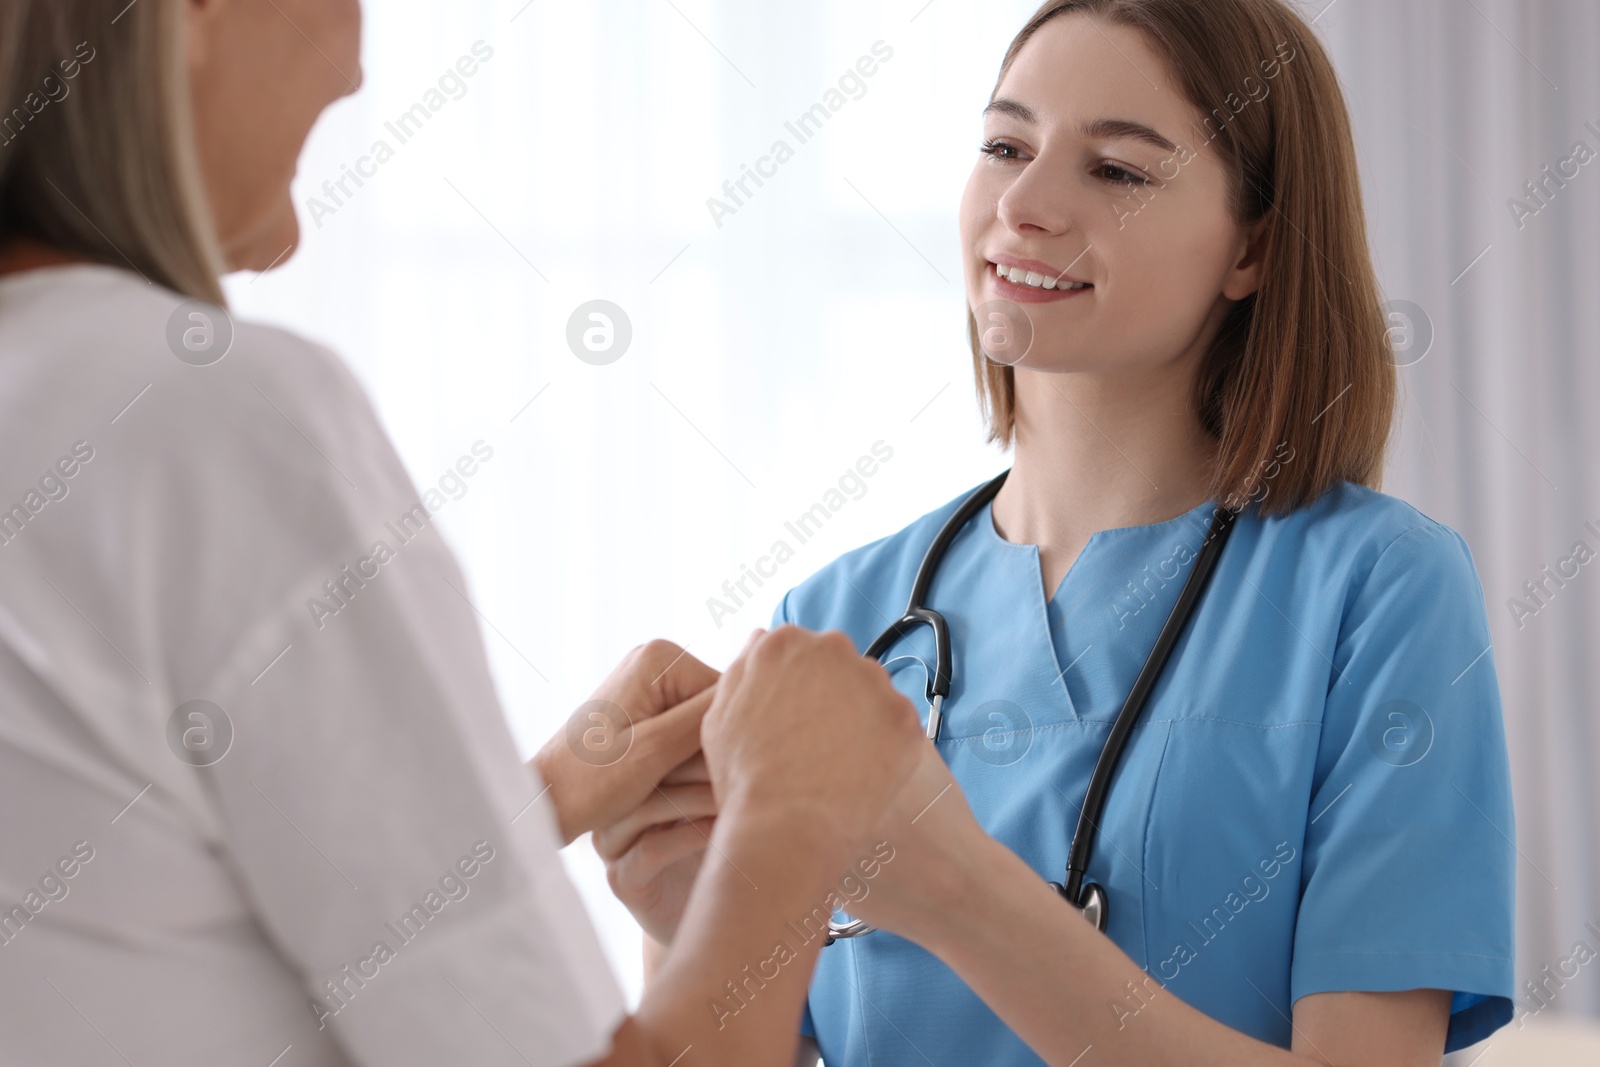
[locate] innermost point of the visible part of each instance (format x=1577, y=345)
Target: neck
x=27, y=254
x=1096, y=452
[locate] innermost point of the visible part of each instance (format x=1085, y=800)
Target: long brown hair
x=97, y=155
x=1302, y=367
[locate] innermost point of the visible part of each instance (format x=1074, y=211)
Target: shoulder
x=863, y=590
x=83, y=325
x=156, y=375
x=1353, y=536
x=1359, y=518
x=228, y=490
x=270, y=453
x=1382, y=592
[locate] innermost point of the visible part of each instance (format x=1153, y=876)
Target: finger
x=664, y=807
x=658, y=850
x=666, y=675
x=665, y=741
x=693, y=769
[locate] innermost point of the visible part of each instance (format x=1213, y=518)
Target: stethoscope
x=1089, y=898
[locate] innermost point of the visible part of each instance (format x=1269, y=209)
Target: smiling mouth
x=1035, y=280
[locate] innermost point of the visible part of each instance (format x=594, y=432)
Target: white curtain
x=1458, y=105
x=774, y=345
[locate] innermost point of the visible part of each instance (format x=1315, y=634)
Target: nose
x=1037, y=202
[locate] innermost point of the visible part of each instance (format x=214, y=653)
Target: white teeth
x=1034, y=279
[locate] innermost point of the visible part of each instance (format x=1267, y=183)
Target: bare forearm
x=1054, y=980
x=734, y=983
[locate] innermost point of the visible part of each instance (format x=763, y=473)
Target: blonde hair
x=97, y=148
x=1303, y=363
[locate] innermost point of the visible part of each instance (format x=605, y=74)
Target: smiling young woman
x=1259, y=169
x=1305, y=847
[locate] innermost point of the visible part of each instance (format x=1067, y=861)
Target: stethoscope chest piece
x=1092, y=903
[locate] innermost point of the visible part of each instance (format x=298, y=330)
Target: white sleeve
x=371, y=801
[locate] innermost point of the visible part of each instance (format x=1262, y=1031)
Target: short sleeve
x=1409, y=873
x=372, y=805
x=397, y=851
x=240, y=625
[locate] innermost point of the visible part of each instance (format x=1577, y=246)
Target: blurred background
x=755, y=343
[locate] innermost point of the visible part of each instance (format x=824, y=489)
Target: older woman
x=258, y=804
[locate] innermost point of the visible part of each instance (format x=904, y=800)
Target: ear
x=1245, y=276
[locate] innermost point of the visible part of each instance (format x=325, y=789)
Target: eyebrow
x=1096, y=130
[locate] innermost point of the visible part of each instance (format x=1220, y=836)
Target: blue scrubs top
x=1317, y=796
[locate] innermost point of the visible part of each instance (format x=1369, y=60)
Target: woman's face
x=1096, y=173
x=261, y=71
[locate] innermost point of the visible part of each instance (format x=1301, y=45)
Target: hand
x=643, y=721
x=653, y=855
x=805, y=729
x=935, y=841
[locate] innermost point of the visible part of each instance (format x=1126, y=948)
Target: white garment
x=370, y=779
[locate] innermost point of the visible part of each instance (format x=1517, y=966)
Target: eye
x=1121, y=175
x=998, y=149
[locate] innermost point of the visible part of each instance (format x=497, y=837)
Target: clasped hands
x=800, y=725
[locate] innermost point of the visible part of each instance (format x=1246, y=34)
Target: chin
x=271, y=245
x=1064, y=359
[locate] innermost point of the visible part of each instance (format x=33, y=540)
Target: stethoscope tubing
x=1090, y=899
x=1094, y=801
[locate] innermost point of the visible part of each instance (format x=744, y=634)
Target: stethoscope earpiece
x=841, y=931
